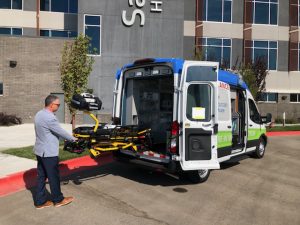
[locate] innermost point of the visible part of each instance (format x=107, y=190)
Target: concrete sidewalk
x=16, y=137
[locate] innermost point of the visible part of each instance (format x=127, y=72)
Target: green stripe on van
x=254, y=134
x=224, y=139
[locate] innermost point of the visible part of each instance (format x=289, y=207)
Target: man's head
x=52, y=103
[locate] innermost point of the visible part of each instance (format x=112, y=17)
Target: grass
x=27, y=152
x=286, y=128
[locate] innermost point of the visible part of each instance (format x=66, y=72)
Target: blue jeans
x=47, y=167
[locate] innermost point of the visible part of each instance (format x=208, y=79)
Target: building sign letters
x=156, y=7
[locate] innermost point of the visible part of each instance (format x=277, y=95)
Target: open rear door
x=199, y=116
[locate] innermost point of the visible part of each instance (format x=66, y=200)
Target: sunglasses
x=56, y=104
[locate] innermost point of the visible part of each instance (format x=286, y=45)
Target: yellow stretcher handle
x=95, y=119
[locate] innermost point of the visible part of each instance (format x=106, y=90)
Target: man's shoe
x=45, y=205
x=65, y=201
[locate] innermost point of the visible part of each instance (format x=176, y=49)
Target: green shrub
x=8, y=120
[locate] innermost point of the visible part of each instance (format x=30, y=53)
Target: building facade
x=235, y=31
x=228, y=31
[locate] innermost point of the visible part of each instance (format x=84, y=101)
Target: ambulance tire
x=260, y=149
x=198, y=176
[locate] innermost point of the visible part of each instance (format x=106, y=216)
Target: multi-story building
x=229, y=31
x=234, y=31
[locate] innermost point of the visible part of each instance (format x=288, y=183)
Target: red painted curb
x=27, y=179
x=283, y=133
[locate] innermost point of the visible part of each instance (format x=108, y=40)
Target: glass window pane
x=201, y=73
x=227, y=11
x=59, y=33
x=72, y=34
x=5, y=30
x=92, y=20
x=45, y=33
x=273, y=13
x=262, y=97
x=214, y=41
x=73, y=7
x=214, y=54
x=273, y=59
x=273, y=44
x=5, y=4
x=254, y=115
x=272, y=97
x=226, y=57
x=293, y=97
x=261, y=13
x=204, y=10
x=261, y=44
x=214, y=10
x=17, y=31
x=226, y=42
x=59, y=6
x=1, y=88
x=260, y=53
x=94, y=34
x=17, y=4
x=44, y=5
x=199, y=102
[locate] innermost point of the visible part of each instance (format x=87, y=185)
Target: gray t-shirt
x=47, y=132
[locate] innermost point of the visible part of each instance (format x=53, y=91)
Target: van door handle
x=206, y=125
x=250, y=125
x=229, y=127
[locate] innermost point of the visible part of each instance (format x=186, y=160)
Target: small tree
x=254, y=74
x=75, y=68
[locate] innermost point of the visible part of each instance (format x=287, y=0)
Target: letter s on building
x=135, y=12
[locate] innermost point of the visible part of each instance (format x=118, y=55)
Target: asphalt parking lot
x=249, y=191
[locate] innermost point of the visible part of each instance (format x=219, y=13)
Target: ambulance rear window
x=199, y=102
x=201, y=73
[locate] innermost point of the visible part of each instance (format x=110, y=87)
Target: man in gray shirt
x=46, y=149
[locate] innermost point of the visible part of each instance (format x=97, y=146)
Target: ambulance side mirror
x=267, y=118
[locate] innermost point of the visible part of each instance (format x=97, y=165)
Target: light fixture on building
x=284, y=97
x=12, y=63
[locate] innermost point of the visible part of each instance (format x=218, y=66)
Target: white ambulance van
x=199, y=115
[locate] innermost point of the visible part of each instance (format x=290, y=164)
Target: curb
x=27, y=179
x=283, y=133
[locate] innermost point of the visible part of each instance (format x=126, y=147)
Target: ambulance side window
x=253, y=112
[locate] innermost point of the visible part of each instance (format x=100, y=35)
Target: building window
x=216, y=10
x=294, y=97
x=216, y=49
x=92, y=29
x=58, y=33
x=11, y=4
x=1, y=88
x=65, y=6
x=265, y=12
x=298, y=56
x=268, y=97
x=266, y=50
x=11, y=31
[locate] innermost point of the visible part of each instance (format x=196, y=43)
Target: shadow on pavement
x=129, y=171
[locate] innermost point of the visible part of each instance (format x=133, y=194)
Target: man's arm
x=55, y=127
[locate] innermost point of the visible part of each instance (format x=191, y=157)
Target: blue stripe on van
x=224, y=76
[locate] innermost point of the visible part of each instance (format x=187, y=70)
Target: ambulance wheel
x=260, y=149
x=198, y=176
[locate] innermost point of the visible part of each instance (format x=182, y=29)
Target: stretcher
x=104, y=137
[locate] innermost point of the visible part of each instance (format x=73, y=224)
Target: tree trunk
x=73, y=121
